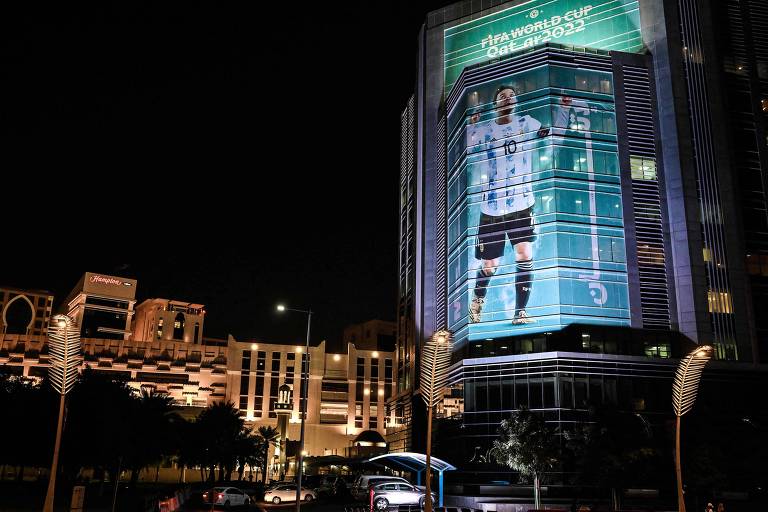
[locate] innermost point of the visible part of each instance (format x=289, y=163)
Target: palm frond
x=435, y=360
x=687, y=377
x=65, y=356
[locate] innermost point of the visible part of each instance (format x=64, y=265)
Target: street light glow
x=254, y=346
x=375, y=354
x=299, y=350
x=336, y=357
x=280, y=307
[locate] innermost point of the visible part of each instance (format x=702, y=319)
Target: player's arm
x=534, y=125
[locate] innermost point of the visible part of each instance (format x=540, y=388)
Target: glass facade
x=535, y=221
x=610, y=25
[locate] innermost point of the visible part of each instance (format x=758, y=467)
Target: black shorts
x=493, y=232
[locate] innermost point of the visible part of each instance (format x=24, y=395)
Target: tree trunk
x=536, y=492
x=212, y=474
x=428, y=473
x=202, y=473
x=615, y=499
x=240, y=472
x=20, y=474
x=264, y=466
x=157, y=473
x=134, y=477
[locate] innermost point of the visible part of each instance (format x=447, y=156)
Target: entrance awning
x=416, y=462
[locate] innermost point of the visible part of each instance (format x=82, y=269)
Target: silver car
x=394, y=494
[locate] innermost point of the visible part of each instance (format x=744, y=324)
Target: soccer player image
x=507, y=200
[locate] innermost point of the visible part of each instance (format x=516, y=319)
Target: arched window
x=18, y=315
x=178, y=327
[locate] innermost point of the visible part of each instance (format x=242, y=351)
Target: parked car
x=227, y=496
x=360, y=489
x=394, y=494
x=332, y=485
x=287, y=492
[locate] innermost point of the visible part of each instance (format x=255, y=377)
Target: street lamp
x=685, y=387
x=303, y=403
x=65, y=349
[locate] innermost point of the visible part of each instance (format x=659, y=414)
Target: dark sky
x=219, y=152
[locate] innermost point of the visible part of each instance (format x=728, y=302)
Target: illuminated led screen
x=605, y=25
x=536, y=238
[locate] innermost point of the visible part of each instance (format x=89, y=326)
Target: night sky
x=219, y=152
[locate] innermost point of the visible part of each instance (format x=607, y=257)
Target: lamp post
x=302, y=403
x=64, y=346
x=685, y=387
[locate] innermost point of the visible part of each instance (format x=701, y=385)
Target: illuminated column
x=283, y=409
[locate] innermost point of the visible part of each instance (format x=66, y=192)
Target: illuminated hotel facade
x=162, y=349
x=582, y=201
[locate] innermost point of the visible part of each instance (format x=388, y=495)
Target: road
x=317, y=506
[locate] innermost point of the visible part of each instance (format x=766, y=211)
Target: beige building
x=24, y=311
x=102, y=306
x=168, y=320
x=347, y=391
x=373, y=334
x=193, y=375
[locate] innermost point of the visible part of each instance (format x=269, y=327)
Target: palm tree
x=247, y=448
x=270, y=436
x=152, y=412
x=221, y=424
x=527, y=445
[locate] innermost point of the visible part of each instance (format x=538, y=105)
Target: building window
x=719, y=302
x=642, y=168
x=178, y=327
x=764, y=105
x=246, y=360
x=375, y=369
x=160, y=328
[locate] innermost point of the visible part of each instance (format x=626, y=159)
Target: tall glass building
x=582, y=202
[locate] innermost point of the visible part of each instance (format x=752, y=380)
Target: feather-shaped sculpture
x=435, y=359
x=684, y=390
x=65, y=357
x=687, y=378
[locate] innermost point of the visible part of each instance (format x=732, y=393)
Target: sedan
x=394, y=494
x=227, y=496
x=287, y=492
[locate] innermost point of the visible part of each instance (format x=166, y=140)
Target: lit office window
x=719, y=302
x=642, y=168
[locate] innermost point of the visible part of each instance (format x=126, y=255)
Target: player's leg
x=489, y=250
x=483, y=279
x=523, y=279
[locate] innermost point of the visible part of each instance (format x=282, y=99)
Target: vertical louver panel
x=441, y=242
x=646, y=201
x=706, y=176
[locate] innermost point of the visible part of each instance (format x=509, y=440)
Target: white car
x=227, y=496
x=287, y=492
x=362, y=485
x=388, y=494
